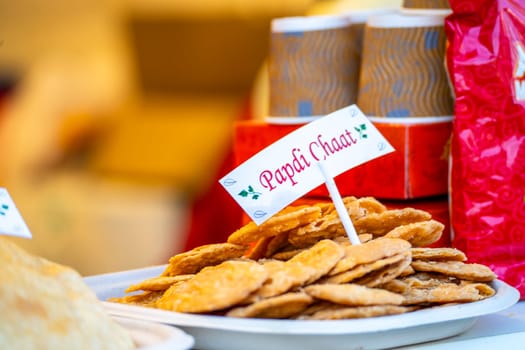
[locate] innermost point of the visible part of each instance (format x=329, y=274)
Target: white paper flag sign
x=287, y=169
x=11, y=222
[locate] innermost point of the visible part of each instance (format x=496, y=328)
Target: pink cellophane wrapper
x=485, y=58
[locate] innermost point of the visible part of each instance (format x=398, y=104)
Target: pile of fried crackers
x=301, y=265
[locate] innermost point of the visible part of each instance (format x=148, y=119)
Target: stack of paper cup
x=402, y=67
x=313, y=69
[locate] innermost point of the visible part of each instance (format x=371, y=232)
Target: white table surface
x=499, y=331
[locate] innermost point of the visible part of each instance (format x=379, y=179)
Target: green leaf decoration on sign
x=250, y=192
x=361, y=131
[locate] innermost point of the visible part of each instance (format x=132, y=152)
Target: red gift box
x=417, y=169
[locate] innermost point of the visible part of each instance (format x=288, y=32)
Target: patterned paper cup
x=420, y=6
x=402, y=68
x=313, y=69
x=358, y=19
x=426, y=4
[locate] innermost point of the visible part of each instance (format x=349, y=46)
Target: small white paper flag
x=11, y=222
x=287, y=169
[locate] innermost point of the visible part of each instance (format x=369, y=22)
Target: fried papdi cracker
x=323, y=228
x=276, y=243
x=420, y=280
x=448, y=293
x=282, y=306
x=369, y=252
x=362, y=270
x=303, y=268
x=409, y=270
x=380, y=224
x=317, y=305
x=428, y=280
x=215, y=287
x=328, y=225
x=419, y=234
x=286, y=220
x=371, y=205
x=438, y=254
x=353, y=294
x=146, y=299
x=193, y=261
x=157, y=283
x=323, y=256
x=271, y=266
x=258, y=249
x=459, y=269
x=387, y=273
x=345, y=312
x=288, y=278
x=345, y=241
x=287, y=254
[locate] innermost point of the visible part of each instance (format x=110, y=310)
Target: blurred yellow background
x=116, y=117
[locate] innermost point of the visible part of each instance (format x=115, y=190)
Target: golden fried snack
x=303, y=268
x=419, y=234
x=282, y=306
x=300, y=264
x=368, y=252
x=353, y=294
x=157, y=283
x=344, y=312
x=322, y=257
x=419, y=280
x=193, y=261
x=258, y=249
x=448, y=293
x=459, y=269
x=288, y=278
x=272, y=266
x=380, y=224
x=329, y=207
x=370, y=205
x=438, y=254
x=428, y=280
x=215, y=287
x=288, y=219
x=287, y=254
x=277, y=243
x=328, y=225
x=364, y=269
x=409, y=270
x=386, y=274
x=317, y=305
x=345, y=241
x=146, y=299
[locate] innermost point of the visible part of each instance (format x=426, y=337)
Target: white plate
x=217, y=332
x=154, y=336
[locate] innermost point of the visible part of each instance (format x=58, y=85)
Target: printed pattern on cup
x=312, y=73
x=403, y=72
x=426, y=4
